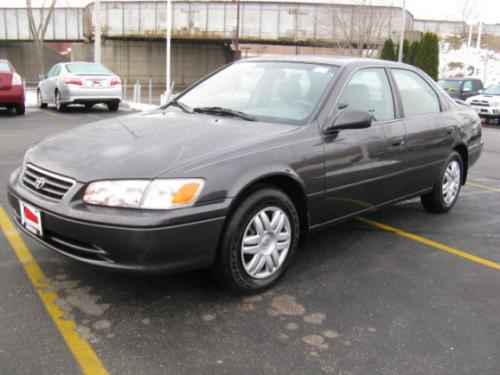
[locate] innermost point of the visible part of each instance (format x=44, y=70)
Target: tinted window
x=369, y=90
x=4, y=67
x=417, y=95
x=467, y=85
x=450, y=85
x=82, y=68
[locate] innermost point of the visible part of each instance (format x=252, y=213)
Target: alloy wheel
x=266, y=242
x=451, y=182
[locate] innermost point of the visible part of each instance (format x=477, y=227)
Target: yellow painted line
x=49, y=113
x=81, y=348
x=434, y=244
x=481, y=186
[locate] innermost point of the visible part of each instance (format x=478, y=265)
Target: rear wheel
x=60, y=107
x=113, y=107
x=39, y=100
x=20, y=109
x=445, y=193
x=258, y=243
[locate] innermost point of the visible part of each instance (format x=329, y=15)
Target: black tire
x=113, y=107
x=60, y=107
x=20, y=109
x=434, y=201
x=89, y=105
x=228, y=267
x=41, y=104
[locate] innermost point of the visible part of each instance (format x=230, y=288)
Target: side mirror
x=41, y=77
x=480, y=91
x=352, y=119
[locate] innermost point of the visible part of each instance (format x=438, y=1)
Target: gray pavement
x=357, y=300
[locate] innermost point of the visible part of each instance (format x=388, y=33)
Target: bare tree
x=360, y=28
x=39, y=29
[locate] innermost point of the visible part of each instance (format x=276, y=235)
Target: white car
x=488, y=103
x=79, y=83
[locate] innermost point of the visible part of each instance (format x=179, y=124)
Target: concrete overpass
x=278, y=22
x=203, y=31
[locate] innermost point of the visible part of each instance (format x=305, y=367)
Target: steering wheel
x=308, y=107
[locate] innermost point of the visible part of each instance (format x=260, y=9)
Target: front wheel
x=20, y=109
x=445, y=192
x=258, y=243
x=113, y=107
x=39, y=99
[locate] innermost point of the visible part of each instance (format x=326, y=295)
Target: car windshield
x=448, y=84
x=4, y=67
x=267, y=91
x=492, y=90
x=85, y=68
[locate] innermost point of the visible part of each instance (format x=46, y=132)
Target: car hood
x=147, y=145
x=484, y=98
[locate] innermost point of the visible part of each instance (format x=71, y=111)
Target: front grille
x=480, y=103
x=46, y=183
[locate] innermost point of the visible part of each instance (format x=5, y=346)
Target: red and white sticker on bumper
x=31, y=218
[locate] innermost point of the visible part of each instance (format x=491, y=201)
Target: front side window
x=417, y=95
x=52, y=71
x=269, y=91
x=369, y=90
x=467, y=86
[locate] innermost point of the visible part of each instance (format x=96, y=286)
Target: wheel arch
x=289, y=184
x=464, y=154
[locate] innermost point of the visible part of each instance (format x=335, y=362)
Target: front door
x=364, y=167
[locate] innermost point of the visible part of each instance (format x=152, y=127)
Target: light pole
x=168, y=46
x=97, y=33
x=402, y=35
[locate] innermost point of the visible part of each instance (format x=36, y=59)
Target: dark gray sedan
x=243, y=165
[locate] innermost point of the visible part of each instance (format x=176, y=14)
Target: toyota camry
x=241, y=167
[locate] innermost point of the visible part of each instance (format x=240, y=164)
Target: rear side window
x=417, y=95
x=369, y=90
x=4, y=67
x=79, y=68
x=467, y=85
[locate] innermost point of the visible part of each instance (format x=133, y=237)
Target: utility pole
x=467, y=58
x=237, y=31
x=169, y=37
x=97, y=33
x=402, y=35
x=479, y=30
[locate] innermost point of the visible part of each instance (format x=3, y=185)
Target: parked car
x=488, y=103
x=79, y=83
x=240, y=167
x=11, y=88
x=461, y=88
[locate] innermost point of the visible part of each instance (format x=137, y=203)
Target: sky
x=485, y=10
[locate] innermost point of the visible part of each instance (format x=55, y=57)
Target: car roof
x=328, y=60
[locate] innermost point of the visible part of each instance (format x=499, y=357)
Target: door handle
x=398, y=143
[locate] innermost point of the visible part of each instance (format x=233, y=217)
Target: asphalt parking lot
x=405, y=292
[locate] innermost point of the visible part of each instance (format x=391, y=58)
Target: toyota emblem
x=39, y=183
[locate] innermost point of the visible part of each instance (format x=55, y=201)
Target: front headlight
x=145, y=194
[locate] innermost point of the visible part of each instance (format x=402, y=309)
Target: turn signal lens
x=186, y=193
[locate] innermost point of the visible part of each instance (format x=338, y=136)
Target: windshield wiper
x=224, y=111
x=181, y=105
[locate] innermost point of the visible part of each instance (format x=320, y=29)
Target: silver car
x=79, y=83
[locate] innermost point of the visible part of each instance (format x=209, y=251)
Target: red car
x=11, y=88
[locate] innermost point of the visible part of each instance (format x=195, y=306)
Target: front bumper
x=151, y=242
x=486, y=111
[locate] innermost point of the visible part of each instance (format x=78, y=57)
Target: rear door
x=6, y=73
x=430, y=131
x=364, y=167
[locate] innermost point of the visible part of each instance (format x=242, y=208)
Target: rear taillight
x=73, y=81
x=16, y=80
x=115, y=81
